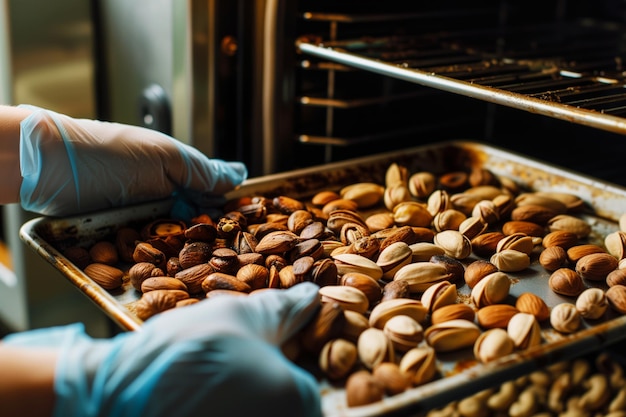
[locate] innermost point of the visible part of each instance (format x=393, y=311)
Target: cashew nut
x=474, y=406
x=580, y=370
x=618, y=402
x=503, y=399
x=540, y=378
x=573, y=410
x=558, y=392
x=447, y=411
x=526, y=404
x=597, y=395
x=616, y=414
x=613, y=370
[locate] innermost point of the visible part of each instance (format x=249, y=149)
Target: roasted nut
x=392, y=235
x=419, y=364
x=449, y=219
x=194, y=276
x=78, y=255
x=617, y=277
x=592, y=303
x=404, y=332
x=364, y=194
x=324, y=272
x=412, y=213
x=393, y=380
x=204, y=232
x=395, y=194
x=533, y=213
x=350, y=298
x=492, y=289
x=326, y=325
x=395, y=289
x=472, y=227
x=349, y=262
x=355, y=324
x=223, y=281
x=104, y=252
x=553, y=258
x=541, y=199
x=277, y=242
x=438, y=295
x=453, y=181
x=578, y=251
x=477, y=270
x=385, y=310
x=145, y=252
x=194, y=253
x=562, y=238
x=524, y=330
x=396, y=174
x=125, y=240
x=451, y=335
x=495, y=316
x=374, y=347
x=487, y=211
x=254, y=275
x=107, y=276
x=162, y=283
x=596, y=266
x=565, y=318
x=454, y=266
x=368, y=285
x=394, y=257
x=158, y=301
x=616, y=295
x=493, y=344
x=518, y=242
x=337, y=358
x=452, y=312
x=531, y=303
x=519, y=226
x=363, y=388
x=379, y=221
x=615, y=243
x=423, y=251
x=566, y=282
x=570, y=223
x=324, y=197
x=485, y=244
x=422, y=184
x=422, y=275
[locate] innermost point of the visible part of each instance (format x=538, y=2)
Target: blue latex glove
x=71, y=166
x=218, y=357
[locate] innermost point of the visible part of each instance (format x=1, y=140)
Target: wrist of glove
x=219, y=357
x=72, y=166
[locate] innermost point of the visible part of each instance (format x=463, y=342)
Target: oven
x=287, y=84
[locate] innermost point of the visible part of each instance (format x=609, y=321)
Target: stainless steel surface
x=461, y=374
x=577, y=78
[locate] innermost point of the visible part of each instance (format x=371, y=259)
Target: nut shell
x=493, y=344
x=592, y=303
x=565, y=318
x=524, y=330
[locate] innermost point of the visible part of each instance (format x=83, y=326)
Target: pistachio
x=495, y=316
x=412, y=213
x=492, y=289
x=449, y=219
x=337, y=218
x=395, y=194
x=337, y=358
x=541, y=199
x=419, y=364
x=394, y=257
x=517, y=241
x=565, y=318
x=487, y=211
x=571, y=201
x=531, y=303
x=493, y=344
x=396, y=174
x=364, y=194
x=355, y=324
x=422, y=184
x=454, y=243
x=615, y=243
x=451, y=335
x=616, y=295
x=350, y=298
x=451, y=312
x=596, y=266
x=472, y=226
x=485, y=192
x=465, y=202
x=352, y=232
x=348, y=262
x=592, y=303
x=566, y=282
x=438, y=201
x=438, y=295
x=423, y=251
x=374, y=347
x=404, y=332
x=510, y=260
x=382, y=312
x=368, y=285
x=422, y=275
x=524, y=330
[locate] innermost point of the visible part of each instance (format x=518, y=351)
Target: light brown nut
x=596, y=266
x=571, y=201
x=578, y=251
x=107, y=276
x=592, y=303
x=615, y=243
x=404, y=332
x=531, y=303
x=541, y=199
x=422, y=184
x=421, y=275
x=395, y=194
x=374, y=347
x=162, y=283
x=222, y=281
x=570, y=223
x=485, y=244
x=519, y=226
x=328, y=324
x=472, y=227
x=524, y=330
x=363, y=388
x=534, y=213
x=337, y=358
x=355, y=324
x=419, y=364
x=364, y=194
x=277, y=242
x=412, y=213
x=142, y=271
x=553, y=258
x=438, y=295
x=452, y=312
x=566, y=282
x=617, y=277
x=379, y=221
x=254, y=275
x=158, y=301
x=104, y=252
x=393, y=257
x=324, y=197
x=492, y=289
x=451, y=335
x=510, y=260
x=616, y=296
x=349, y=262
x=385, y=310
x=562, y=238
x=517, y=241
x=391, y=377
x=370, y=287
x=454, y=243
x=495, y=316
x=438, y=201
x=350, y=298
x=493, y=344
x=565, y=318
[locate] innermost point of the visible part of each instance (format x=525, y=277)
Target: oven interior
x=543, y=78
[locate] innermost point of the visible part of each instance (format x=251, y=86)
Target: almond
x=495, y=316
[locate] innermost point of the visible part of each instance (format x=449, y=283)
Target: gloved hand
x=72, y=166
x=218, y=357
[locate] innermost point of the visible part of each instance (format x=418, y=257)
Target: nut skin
x=194, y=276
x=477, y=270
x=363, y=388
x=104, y=252
x=565, y=281
x=158, y=301
x=145, y=252
x=194, y=253
x=592, y=303
x=107, y=276
x=496, y=316
x=553, y=258
x=533, y=304
x=565, y=318
x=596, y=266
x=452, y=312
x=616, y=295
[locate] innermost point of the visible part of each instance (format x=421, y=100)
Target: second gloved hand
x=72, y=166
x=218, y=357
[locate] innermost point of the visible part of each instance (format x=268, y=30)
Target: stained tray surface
x=459, y=374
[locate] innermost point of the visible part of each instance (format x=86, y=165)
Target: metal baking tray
x=460, y=374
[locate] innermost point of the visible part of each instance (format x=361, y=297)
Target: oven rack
x=572, y=72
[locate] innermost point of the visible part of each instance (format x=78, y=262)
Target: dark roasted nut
x=367, y=246
x=145, y=252
x=287, y=205
x=253, y=212
x=453, y=266
x=224, y=260
x=228, y=228
x=139, y=272
x=205, y=232
x=567, y=282
x=78, y=255
x=245, y=242
x=302, y=268
x=324, y=272
x=396, y=289
x=158, y=301
x=327, y=324
x=104, y=252
x=125, y=240
x=315, y=230
x=194, y=253
x=254, y=275
x=485, y=244
x=173, y=266
x=454, y=181
x=596, y=266
x=193, y=277
x=370, y=287
x=222, y=281
x=107, y=276
x=477, y=270
x=162, y=283
x=277, y=242
x=309, y=247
